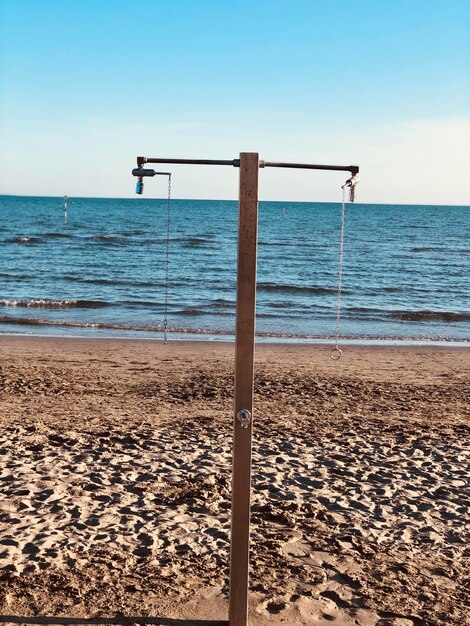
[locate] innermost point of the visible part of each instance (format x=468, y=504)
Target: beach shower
x=249, y=165
x=141, y=172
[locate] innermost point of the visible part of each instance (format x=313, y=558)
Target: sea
x=119, y=268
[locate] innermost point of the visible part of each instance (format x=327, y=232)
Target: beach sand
x=115, y=482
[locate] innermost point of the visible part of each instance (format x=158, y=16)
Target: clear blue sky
x=86, y=85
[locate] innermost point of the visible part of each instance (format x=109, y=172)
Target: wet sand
x=115, y=482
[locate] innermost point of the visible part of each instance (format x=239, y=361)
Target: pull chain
x=336, y=353
x=167, y=263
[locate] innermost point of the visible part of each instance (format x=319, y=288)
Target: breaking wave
x=55, y=304
x=426, y=316
x=275, y=287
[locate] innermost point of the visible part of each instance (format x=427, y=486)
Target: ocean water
x=406, y=273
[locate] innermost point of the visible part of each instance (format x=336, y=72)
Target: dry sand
x=115, y=483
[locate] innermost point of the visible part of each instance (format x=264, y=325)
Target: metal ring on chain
x=336, y=353
x=167, y=263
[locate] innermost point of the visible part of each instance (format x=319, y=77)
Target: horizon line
x=4, y=195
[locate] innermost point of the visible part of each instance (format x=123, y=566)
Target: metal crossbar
x=354, y=169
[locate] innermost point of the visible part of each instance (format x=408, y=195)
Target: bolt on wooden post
x=244, y=371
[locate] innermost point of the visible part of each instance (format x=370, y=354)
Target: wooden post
x=244, y=370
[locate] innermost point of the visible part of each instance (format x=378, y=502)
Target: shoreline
x=220, y=338
x=116, y=469
x=319, y=352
